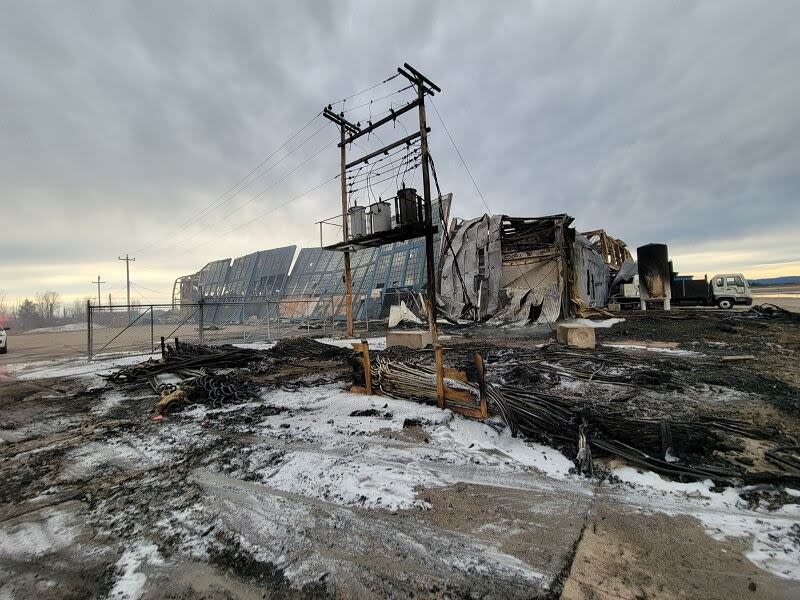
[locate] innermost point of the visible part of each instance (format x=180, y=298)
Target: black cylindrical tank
x=407, y=204
x=654, y=277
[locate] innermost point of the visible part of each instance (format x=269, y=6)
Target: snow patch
x=60, y=328
x=672, y=351
x=349, y=460
x=130, y=582
x=775, y=535
x=597, y=324
x=76, y=367
x=376, y=343
x=54, y=531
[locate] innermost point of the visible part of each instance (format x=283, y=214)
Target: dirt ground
x=291, y=495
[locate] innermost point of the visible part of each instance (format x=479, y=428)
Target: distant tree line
x=46, y=309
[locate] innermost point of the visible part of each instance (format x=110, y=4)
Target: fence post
x=200, y=318
x=88, y=330
x=269, y=335
x=152, y=323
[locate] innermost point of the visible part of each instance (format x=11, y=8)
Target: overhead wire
x=400, y=91
x=369, y=89
x=488, y=209
x=223, y=197
x=445, y=229
x=148, y=289
x=226, y=216
x=264, y=214
x=274, y=183
x=463, y=162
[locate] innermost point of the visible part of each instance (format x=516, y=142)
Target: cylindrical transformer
x=380, y=215
x=654, y=272
x=407, y=202
x=358, y=221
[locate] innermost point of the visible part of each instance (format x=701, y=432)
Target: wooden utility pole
x=348, y=276
x=424, y=87
x=426, y=197
x=345, y=127
x=98, y=282
x=128, y=260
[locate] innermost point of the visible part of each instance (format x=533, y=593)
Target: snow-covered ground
x=80, y=367
x=60, y=328
x=321, y=449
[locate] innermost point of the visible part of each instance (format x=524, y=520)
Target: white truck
x=729, y=289
x=724, y=290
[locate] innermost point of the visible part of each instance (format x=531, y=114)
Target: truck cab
x=729, y=289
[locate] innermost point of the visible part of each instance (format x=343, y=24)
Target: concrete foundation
x=643, y=303
x=575, y=334
x=415, y=339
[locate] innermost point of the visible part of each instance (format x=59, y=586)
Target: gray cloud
x=120, y=121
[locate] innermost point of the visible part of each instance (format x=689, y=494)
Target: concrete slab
x=575, y=334
x=415, y=338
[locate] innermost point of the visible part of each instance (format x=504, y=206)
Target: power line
x=264, y=214
x=364, y=91
x=223, y=197
x=401, y=90
x=272, y=185
x=277, y=181
x=463, y=162
x=272, y=166
x=140, y=286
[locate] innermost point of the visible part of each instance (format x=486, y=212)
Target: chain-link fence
x=138, y=329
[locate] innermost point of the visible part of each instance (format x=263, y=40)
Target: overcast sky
x=674, y=122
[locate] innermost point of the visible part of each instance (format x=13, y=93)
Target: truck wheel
x=725, y=304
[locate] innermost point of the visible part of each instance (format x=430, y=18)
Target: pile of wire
x=682, y=446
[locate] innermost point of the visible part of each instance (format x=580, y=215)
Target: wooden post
x=348, y=280
x=367, y=367
x=439, y=376
x=482, y=385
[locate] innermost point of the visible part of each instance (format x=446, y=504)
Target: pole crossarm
x=393, y=114
x=385, y=149
x=340, y=121
x=418, y=75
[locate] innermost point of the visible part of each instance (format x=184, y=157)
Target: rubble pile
x=217, y=375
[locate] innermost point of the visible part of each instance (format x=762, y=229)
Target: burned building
x=517, y=269
x=314, y=286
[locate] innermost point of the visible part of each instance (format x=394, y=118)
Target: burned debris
x=633, y=409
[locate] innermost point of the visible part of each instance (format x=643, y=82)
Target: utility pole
x=128, y=260
x=344, y=127
x=426, y=196
x=348, y=276
x=424, y=87
x=98, y=282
